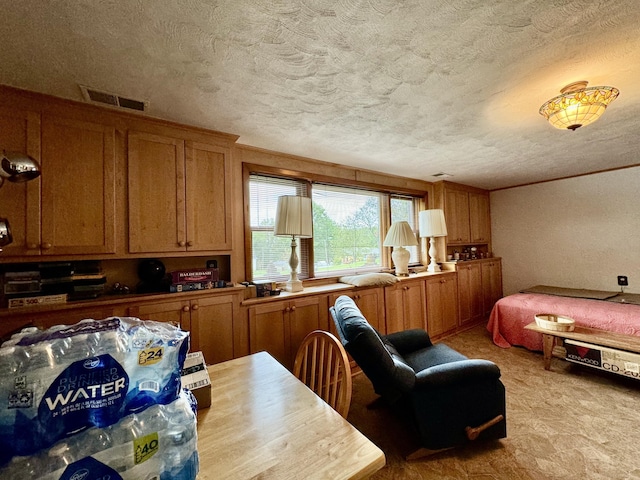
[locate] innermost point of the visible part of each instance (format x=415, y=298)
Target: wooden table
x=594, y=336
x=264, y=423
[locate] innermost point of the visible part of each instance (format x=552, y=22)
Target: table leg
x=547, y=349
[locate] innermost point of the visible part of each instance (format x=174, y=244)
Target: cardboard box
x=195, y=377
x=603, y=358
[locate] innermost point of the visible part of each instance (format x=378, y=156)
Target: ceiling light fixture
x=578, y=105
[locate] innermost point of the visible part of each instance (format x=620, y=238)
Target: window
x=270, y=254
x=404, y=208
x=346, y=230
x=349, y=225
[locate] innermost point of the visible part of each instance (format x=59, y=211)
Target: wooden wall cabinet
x=467, y=213
x=280, y=326
x=442, y=304
x=491, y=283
x=70, y=208
x=406, y=305
x=470, y=294
x=179, y=195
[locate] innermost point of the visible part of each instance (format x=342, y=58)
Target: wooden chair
x=322, y=364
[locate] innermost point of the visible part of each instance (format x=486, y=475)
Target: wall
x=580, y=233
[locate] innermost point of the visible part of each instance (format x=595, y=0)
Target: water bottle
x=24, y=468
x=153, y=419
x=59, y=456
x=175, y=454
x=123, y=435
x=93, y=441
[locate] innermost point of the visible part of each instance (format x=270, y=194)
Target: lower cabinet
x=442, y=304
x=213, y=322
x=406, y=305
x=491, y=284
x=470, y=296
x=280, y=326
x=370, y=301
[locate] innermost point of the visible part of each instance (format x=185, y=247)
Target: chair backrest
x=378, y=359
x=322, y=364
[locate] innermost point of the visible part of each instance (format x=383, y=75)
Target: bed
x=611, y=311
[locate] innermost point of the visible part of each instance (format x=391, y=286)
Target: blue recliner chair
x=452, y=399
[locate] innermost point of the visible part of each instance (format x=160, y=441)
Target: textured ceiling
x=411, y=88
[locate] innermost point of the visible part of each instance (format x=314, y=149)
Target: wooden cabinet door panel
x=212, y=327
x=78, y=187
x=20, y=202
x=305, y=315
x=208, y=197
x=414, y=301
x=457, y=216
x=470, y=293
x=394, y=310
x=156, y=185
x=370, y=301
x=442, y=304
x=176, y=312
x=479, y=219
x=449, y=299
x=268, y=330
x=491, y=284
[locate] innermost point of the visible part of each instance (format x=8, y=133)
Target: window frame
x=420, y=198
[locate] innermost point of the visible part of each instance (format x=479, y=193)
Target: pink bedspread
x=511, y=314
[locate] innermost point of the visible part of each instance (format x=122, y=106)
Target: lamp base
x=293, y=286
x=434, y=267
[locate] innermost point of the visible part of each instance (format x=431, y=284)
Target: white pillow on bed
x=369, y=279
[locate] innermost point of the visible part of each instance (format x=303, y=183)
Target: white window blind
x=404, y=208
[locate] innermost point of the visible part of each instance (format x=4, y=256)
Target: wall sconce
x=432, y=225
x=578, y=105
x=294, y=218
x=399, y=236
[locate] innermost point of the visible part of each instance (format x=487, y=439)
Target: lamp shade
x=432, y=223
x=294, y=217
x=400, y=235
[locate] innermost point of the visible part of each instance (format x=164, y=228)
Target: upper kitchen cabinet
x=78, y=188
x=20, y=202
x=466, y=211
x=179, y=200
x=70, y=208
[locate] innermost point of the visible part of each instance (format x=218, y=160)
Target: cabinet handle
x=46, y=246
x=405, y=288
x=185, y=308
x=287, y=309
x=293, y=309
x=356, y=297
x=181, y=243
x=189, y=243
x=32, y=246
x=195, y=307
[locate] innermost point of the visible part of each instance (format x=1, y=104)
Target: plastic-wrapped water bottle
x=123, y=435
x=24, y=468
x=153, y=419
x=176, y=453
x=59, y=456
x=93, y=441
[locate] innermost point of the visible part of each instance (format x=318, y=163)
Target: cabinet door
x=370, y=301
x=78, y=187
x=479, y=218
x=208, y=200
x=442, y=295
x=394, y=310
x=20, y=202
x=268, y=329
x=212, y=327
x=470, y=294
x=457, y=216
x=176, y=312
x=491, y=284
x=156, y=181
x=305, y=315
x=414, y=302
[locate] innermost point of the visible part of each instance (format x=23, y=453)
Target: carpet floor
x=571, y=422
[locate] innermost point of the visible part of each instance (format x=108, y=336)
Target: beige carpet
x=572, y=422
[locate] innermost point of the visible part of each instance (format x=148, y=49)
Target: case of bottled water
x=159, y=443
x=88, y=383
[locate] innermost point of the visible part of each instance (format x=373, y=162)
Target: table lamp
x=294, y=219
x=399, y=236
x=432, y=225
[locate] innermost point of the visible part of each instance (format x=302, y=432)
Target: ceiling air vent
x=442, y=175
x=105, y=98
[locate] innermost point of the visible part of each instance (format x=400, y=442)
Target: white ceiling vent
x=104, y=98
x=442, y=175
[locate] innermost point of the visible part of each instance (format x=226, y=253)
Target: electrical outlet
x=623, y=281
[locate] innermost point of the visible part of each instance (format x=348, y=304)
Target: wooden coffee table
x=618, y=341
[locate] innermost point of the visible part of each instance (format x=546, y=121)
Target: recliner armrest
x=408, y=341
x=463, y=371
